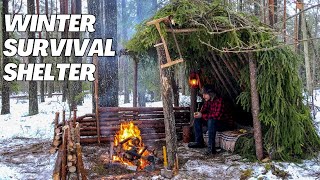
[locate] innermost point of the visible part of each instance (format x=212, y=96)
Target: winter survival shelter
x=244, y=60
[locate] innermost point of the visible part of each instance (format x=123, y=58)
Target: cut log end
x=72, y=169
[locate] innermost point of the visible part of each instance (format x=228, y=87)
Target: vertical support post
x=193, y=104
x=96, y=74
x=169, y=119
x=255, y=107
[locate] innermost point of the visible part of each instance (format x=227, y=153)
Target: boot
x=196, y=145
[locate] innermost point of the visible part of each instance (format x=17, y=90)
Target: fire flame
x=127, y=138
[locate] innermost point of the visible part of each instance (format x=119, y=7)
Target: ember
x=130, y=150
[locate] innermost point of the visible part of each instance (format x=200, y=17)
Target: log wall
x=150, y=121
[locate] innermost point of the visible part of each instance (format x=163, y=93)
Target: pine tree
x=33, y=90
x=5, y=90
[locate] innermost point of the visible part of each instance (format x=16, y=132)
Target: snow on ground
x=32, y=135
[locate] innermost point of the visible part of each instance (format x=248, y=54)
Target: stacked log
x=69, y=163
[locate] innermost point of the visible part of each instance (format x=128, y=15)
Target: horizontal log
x=88, y=133
x=89, y=119
x=80, y=118
x=144, y=131
x=88, y=129
x=138, y=109
x=179, y=122
x=84, y=124
x=135, y=113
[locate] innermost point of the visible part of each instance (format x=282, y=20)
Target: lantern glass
x=193, y=82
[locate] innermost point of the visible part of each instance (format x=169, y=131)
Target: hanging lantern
x=194, y=80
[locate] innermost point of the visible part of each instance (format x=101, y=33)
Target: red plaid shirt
x=212, y=109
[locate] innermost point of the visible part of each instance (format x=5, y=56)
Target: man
x=211, y=112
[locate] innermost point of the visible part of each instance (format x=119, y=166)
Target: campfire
x=129, y=150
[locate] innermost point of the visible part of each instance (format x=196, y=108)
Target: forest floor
x=25, y=142
x=29, y=159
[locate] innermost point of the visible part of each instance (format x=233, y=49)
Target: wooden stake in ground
x=169, y=119
x=255, y=107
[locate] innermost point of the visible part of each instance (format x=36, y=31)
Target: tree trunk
x=33, y=90
x=94, y=9
x=64, y=35
x=50, y=84
x=182, y=79
x=78, y=10
x=256, y=8
x=306, y=53
x=175, y=88
x=284, y=29
x=5, y=98
x=240, y=6
x=255, y=107
x=169, y=119
x=135, y=81
x=125, y=59
x=271, y=13
x=41, y=59
x=72, y=90
x=109, y=98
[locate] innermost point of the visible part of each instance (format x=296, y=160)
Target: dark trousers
x=212, y=129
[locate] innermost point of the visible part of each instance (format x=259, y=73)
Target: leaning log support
x=220, y=77
x=169, y=119
x=255, y=107
x=226, y=77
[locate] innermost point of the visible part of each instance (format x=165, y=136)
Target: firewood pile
x=130, y=154
x=66, y=141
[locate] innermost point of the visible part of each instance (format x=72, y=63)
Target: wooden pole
x=169, y=119
x=96, y=75
x=74, y=117
x=135, y=80
x=64, y=153
x=193, y=105
x=255, y=107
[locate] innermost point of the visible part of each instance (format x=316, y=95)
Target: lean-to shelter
x=223, y=44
